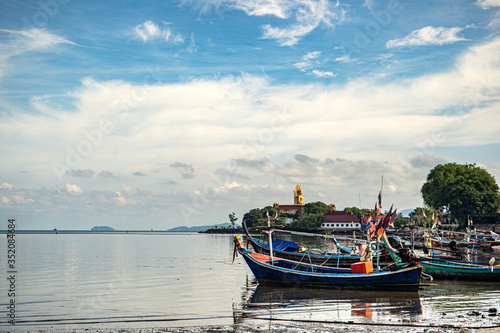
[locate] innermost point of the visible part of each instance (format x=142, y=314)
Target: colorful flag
x=381, y=225
x=423, y=213
x=380, y=200
x=393, y=218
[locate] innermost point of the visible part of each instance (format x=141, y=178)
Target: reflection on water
x=263, y=302
x=443, y=304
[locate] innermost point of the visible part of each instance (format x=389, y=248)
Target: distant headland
x=102, y=228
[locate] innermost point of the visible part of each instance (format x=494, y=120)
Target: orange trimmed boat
x=269, y=270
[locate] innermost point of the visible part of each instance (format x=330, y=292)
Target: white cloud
x=34, y=39
x=5, y=200
x=149, y=31
x=309, y=65
x=429, y=36
x=486, y=4
x=73, y=189
x=345, y=59
x=119, y=199
x=307, y=61
x=311, y=55
x=287, y=36
x=318, y=73
x=19, y=199
x=7, y=186
x=207, y=123
x=24, y=41
x=308, y=15
x=278, y=8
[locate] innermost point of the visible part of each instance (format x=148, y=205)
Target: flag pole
x=382, y=184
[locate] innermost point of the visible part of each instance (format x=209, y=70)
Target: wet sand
x=279, y=327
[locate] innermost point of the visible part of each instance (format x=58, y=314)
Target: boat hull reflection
x=270, y=303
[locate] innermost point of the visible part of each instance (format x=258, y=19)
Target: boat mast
x=380, y=206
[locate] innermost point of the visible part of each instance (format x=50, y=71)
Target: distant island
x=202, y=228
x=102, y=228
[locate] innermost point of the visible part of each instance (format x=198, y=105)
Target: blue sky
x=155, y=114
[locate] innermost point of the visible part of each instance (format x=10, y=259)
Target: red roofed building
x=341, y=221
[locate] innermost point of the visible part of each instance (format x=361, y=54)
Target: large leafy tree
x=253, y=217
x=258, y=217
x=313, y=220
x=315, y=208
x=462, y=190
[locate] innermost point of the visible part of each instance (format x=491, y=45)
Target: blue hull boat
x=285, y=272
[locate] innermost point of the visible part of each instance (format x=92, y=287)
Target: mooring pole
x=270, y=239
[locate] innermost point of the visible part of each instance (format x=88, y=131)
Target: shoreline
x=273, y=325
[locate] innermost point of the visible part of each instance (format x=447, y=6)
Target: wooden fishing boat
x=269, y=270
x=291, y=251
x=472, y=243
x=447, y=243
x=460, y=270
x=447, y=268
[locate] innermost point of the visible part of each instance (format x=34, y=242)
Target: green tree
x=462, y=190
x=310, y=221
x=354, y=211
x=401, y=222
x=317, y=207
x=251, y=218
x=418, y=218
x=233, y=218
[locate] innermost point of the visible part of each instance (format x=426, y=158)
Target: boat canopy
x=283, y=245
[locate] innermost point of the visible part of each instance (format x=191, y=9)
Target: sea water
x=75, y=281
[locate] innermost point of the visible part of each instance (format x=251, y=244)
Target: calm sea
x=117, y=281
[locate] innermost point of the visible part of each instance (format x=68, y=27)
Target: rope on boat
x=427, y=277
x=298, y=263
x=330, y=257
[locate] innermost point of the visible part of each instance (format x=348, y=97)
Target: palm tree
x=232, y=218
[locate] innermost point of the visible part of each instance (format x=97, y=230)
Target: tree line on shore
x=452, y=193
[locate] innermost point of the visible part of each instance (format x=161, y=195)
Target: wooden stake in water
x=378, y=255
x=270, y=239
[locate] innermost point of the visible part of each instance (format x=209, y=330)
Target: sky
x=157, y=114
